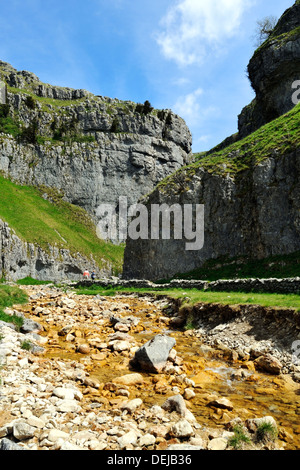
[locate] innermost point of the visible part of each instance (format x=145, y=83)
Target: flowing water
x=252, y=394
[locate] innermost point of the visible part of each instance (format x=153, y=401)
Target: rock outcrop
x=272, y=70
x=94, y=149
x=20, y=259
x=249, y=190
x=254, y=214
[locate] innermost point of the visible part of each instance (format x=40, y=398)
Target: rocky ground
x=76, y=378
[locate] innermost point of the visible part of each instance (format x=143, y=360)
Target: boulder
x=23, y=431
x=132, y=405
x=6, y=444
x=222, y=403
x=175, y=403
x=218, y=443
x=182, y=429
x=153, y=355
x=268, y=363
x=130, y=379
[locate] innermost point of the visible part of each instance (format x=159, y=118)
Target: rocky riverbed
x=101, y=373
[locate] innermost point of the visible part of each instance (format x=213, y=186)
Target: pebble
x=218, y=443
x=47, y=409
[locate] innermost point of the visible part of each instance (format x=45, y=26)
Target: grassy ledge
x=54, y=222
x=195, y=296
x=10, y=296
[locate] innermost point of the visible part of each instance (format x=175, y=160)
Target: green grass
x=29, y=281
x=57, y=223
x=275, y=139
x=266, y=432
x=240, y=437
x=10, y=296
x=26, y=345
x=45, y=102
x=279, y=267
x=194, y=296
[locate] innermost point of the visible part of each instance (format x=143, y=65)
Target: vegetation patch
x=266, y=432
x=29, y=281
x=278, y=267
x=240, y=438
x=275, y=139
x=192, y=297
x=10, y=296
x=41, y=216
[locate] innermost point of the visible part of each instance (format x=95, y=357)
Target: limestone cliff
x=92, y=148
x=20, y=259
x=249, y=186
x=254, y=214
x=272, y=70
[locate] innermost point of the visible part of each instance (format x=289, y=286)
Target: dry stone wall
x=282, y=286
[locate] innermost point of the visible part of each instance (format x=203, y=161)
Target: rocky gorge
x=248, y=186
x=101, y=373
x=83, y=149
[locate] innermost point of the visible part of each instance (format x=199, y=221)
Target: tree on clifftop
x=264, y=29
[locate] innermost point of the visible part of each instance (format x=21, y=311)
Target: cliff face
x=249, y=185
x=274, y=67
x=94, y=149
x=254, y=214
x=20, y=259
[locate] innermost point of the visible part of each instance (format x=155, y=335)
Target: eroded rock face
x=20, y=259
x=94, y=149
x=254, y=215
x=272, y=70
x=91, y=149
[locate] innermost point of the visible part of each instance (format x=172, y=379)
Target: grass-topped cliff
x=273, y=140
x=90, y=150
x=250, y=192
x=40, y=216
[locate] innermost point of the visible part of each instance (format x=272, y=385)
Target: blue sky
x=186, y=55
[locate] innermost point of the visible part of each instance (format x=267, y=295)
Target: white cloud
x=189, y=107
x=191, y=26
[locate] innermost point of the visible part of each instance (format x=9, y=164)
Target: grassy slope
x=275, y=139
x=10, y=296
x=278, y=267
x=60, y=224
x=194, y=296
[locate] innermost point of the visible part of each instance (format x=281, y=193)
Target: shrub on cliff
x=144, y=109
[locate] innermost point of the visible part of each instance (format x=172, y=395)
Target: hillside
x=94, y=149
x=40, y=218
x=78, y=151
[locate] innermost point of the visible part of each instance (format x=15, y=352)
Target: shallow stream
x=253, y=394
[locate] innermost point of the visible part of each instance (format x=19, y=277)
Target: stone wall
x=280, y=286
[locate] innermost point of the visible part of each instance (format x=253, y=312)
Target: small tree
x=145, y=108
x=264, y=29
x=29, y=134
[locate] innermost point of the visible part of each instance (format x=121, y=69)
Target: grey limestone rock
x=153, y=355
x=272, y=70
x=20, y=259
x=254, y=215
x=92, y=150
